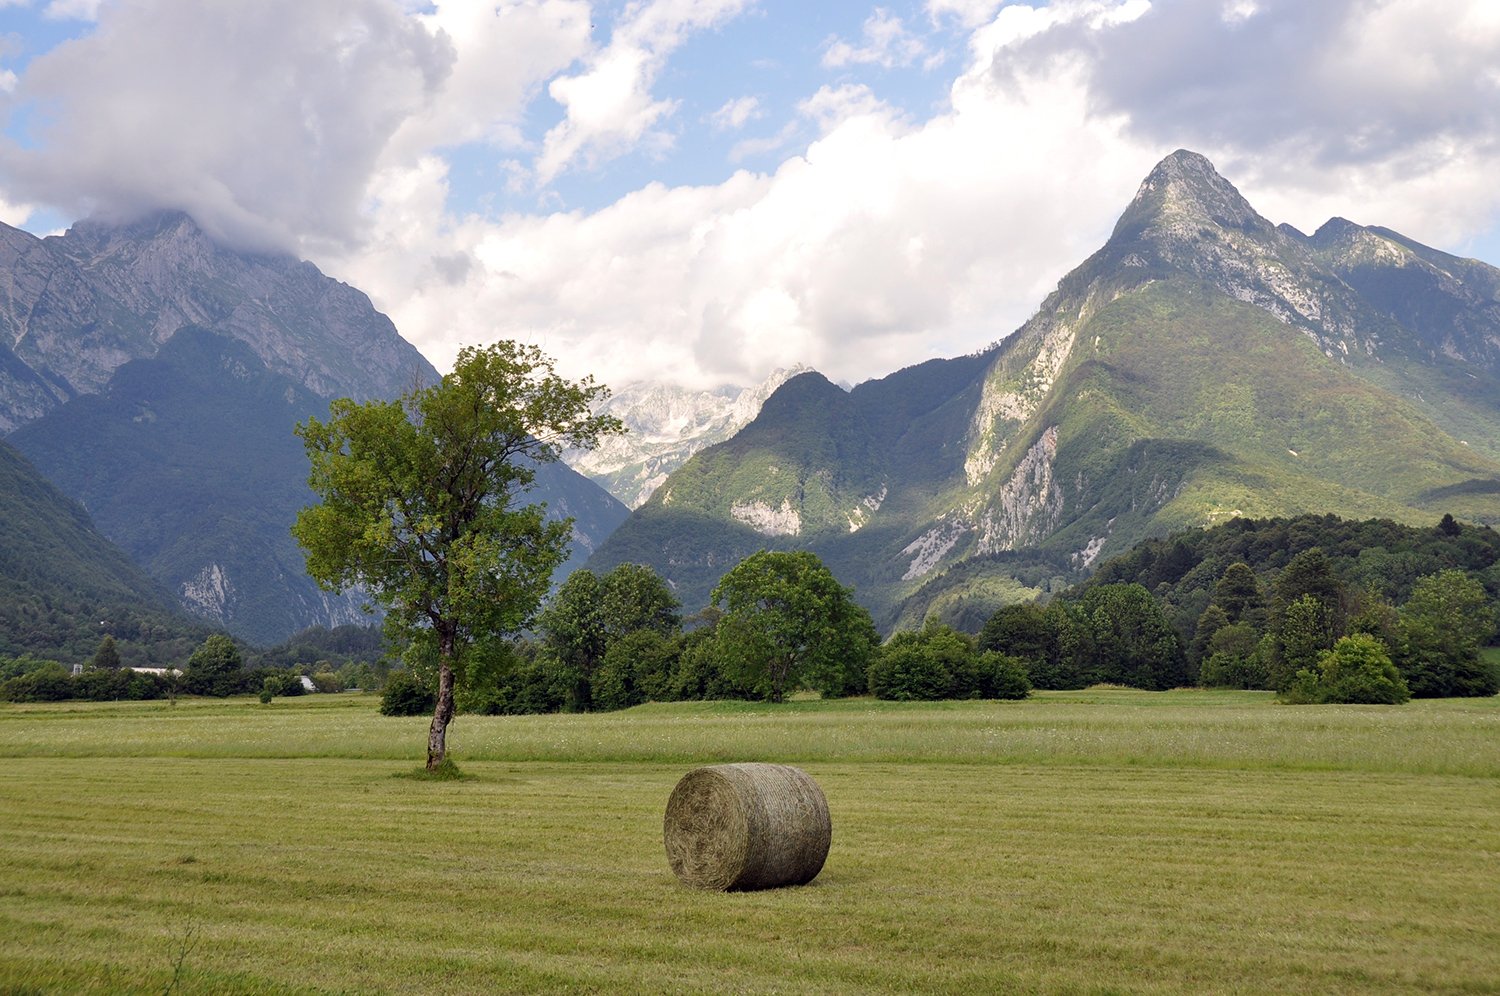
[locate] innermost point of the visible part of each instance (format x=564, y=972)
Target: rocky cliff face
x=75, y=307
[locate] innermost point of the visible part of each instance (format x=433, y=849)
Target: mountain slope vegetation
x=63, y=586
x=1203, y=365
x=189, y=462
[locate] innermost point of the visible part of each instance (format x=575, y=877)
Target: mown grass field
x=1101, y=841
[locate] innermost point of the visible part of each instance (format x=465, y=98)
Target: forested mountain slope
x=63, y=586
x=1203, y=365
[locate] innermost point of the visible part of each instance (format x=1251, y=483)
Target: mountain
x=1203, y=365
x=667, y=425
x=157, y=377
x=187, y=460
x=63, y=586
x=75, y=307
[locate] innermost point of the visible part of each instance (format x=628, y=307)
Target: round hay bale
x=747, y=826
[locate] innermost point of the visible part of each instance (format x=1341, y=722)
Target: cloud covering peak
x=176, y=105
x=700, y=191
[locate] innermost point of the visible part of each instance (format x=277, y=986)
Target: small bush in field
x=405, y=695
x=1001, y=676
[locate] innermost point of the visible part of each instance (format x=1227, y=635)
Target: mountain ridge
x=1202, y=364
x=157, y=376
x=666, y=426
x=74, y=307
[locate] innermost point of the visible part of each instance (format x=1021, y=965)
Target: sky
x=698, y=192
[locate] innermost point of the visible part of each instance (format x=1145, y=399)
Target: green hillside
x=63, y=586
x=1203, y=365
x=188, y=462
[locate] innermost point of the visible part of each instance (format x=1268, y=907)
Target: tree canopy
x=421, y=503
x=589, y=615
x=787, y=621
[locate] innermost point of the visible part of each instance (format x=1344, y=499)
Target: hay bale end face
x=747, y=826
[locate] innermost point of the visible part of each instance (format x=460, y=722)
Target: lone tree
x=421, y=503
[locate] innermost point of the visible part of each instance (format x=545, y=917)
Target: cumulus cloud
x=175, y=104
x=1336, y=81
x=72, y=10
x=609, y=107
x=503, y=55
x=1391, y=108
x=885, y=42
x=968, y=13
x=877, y=239
x=885, y=242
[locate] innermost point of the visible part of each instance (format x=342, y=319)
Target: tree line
x=779, y=622
x=216, y=668
x=1299, y=625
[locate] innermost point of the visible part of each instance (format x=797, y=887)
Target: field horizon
x=1097, y=841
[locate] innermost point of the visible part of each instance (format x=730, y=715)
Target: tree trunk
x=437, y=736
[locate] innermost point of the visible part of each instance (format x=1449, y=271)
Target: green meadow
x=1097, y=841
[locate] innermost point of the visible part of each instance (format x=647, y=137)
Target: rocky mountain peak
x=1184, y=196
x=78, y=306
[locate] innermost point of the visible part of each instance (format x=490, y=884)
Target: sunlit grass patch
x=1093, y=841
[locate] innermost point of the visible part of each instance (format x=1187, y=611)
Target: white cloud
x=879, y=240
x=7, y=81
x=885, y=243
x=1236, y=11
x=831, y=106
x=14, y=213
x=503, y=55
x=171, y=104
x=72, y=10
x=885, y=42
x=1383, y=112
x=609, y=106
x=751, y=148
x=968, y=13
x=736, y=113
x=890, y=240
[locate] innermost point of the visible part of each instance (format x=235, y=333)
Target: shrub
x=1229, y=670
x=699, y=675
x=636, y=668
x=214, y=668
x=903, y=670
x=938, y=662
x=1356, y=670
x=102, y=686
x=47, y=682
x=1001, y=676
x=327, y=681
x=405, y=695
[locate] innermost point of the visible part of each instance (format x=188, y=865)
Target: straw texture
x=747, y=826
